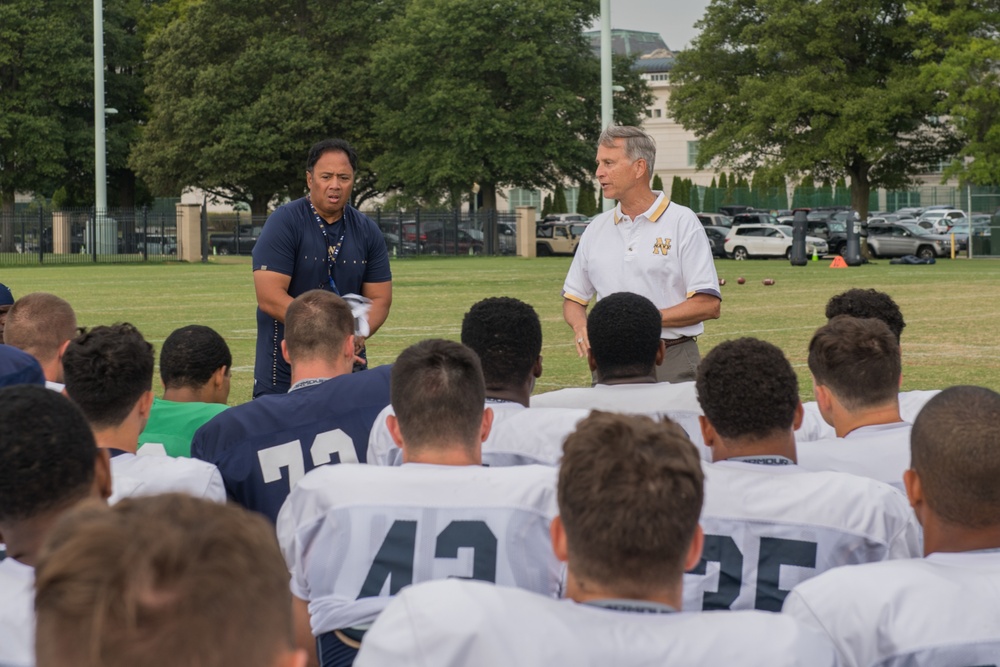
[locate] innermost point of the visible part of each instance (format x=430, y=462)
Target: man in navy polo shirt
x=318, y=241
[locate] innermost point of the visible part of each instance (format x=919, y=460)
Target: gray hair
x=638, y=144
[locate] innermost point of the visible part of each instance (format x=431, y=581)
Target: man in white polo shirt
x=647, y=245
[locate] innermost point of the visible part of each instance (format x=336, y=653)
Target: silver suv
x=906, y=238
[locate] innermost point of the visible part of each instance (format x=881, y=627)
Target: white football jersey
x=458, y=623
x=17, y=614
x=769, y=527
x=814, y=427
x=520, y=436
x=382, y=450
x=133, y=475
x=879, y=452
x=939, y=611
x=353, y=536
x=678, y=401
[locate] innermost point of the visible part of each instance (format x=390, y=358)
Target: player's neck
x=943, y=537
x=782, y=444
x=844, y=422
x=320, y=368
x=581, y=590
x=188, y=394
x=627, y=379
x=444, y=454
x=509, y=394
x=637, y=201
x=24, y=538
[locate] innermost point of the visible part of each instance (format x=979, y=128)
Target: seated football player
x=42, y=325
x=863, y=303
x=109, y=375
x=768, y=523
x=19, y=367
x=354, y=536
x=856, y=369
x=624, y=330
x=195, y=367
x=941, y=609
x=627, y=529
x=164, y=581
x=48, y=463
x=264, y=447
x=506, y=335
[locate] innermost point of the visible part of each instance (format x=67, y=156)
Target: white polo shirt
x=663, y=255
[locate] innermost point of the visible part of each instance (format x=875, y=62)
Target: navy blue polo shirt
x=292, y=243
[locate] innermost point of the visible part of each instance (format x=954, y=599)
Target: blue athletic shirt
x=292, y=243
x=262, y=448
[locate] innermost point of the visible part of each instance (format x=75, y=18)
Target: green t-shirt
x=171, y=425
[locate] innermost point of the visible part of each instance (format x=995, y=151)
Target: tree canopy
x=831, y=88
x=505, y=93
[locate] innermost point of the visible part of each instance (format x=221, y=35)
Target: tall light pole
x=607, y=101
x=100, y=159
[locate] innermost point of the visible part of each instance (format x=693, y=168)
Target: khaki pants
x=680, y=363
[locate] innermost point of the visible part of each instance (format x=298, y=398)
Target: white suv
x=941, y=219
x=746, y=241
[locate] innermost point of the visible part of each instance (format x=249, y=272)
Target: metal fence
x=447, y=232
x=40, y=236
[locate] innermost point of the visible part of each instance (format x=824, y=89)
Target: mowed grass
x=952, y=309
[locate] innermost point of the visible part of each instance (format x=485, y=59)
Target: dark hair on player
x=320, y=148
x=867, y=303
x=630, y=493
x=162, y=581
x=747, y=389
x=316, y=325
x=624, y=331
x=858, y=360
x=39, y=323
x=507, y=336
x=190, y=355
x=107, y=370
x=954, y=449
x=47, y=452
x=438, y=392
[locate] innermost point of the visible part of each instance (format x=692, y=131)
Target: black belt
x=670, y=342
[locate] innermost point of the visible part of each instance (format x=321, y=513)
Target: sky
x=673, y=20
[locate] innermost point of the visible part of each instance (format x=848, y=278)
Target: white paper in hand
x=359, y=309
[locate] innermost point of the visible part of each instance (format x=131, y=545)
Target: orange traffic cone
x=838, y=263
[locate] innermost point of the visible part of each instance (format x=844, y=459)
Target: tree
x=547, y=205
x=559, y=204
x=500, y=93
x=676, y=189
x=586, y=203
x=241, y=88
x=657, y=182
x=963, y=37
x=831, y=87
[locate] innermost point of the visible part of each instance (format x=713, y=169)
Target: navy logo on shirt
x=661, y=246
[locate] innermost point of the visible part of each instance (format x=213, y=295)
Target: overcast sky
x=673, y=20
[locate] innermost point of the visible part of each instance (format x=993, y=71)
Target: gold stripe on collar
x=618, y=218
x=660, y=209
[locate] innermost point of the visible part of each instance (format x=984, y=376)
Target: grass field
x=952, y=309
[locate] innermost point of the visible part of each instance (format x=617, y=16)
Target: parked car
x=565, y=217
x=447, y=240
x=906, y=238
x=834, y=232
x=746, y=241
x=715, y=220
x=755, y=218
x=910, y=211
x=734, y=209
x=890, y=217
x=557, y=239
x=231, y=243
x=395, y=247
x=717, y=239
x=940, y=218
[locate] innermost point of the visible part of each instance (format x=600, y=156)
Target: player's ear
x=914, y=491
x=348, y=350
x=590, y=360
x=708, y=434
x=102, y=474
x=487, y=424
x=800, y=414
x=558, y=534
x=661, y=352
x=284, y=351
x=536, y=370
x=219, y=376
x=146, y=403
x=694, y=550
x=392, y=423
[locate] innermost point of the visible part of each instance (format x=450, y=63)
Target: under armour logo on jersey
x=661, y=246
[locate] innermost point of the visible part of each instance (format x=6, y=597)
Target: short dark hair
x=39, y=323
x=316, y=325
x=954, y=449
x=438, y=393
x=190, y=355
x=162, y=581
x=107, y=370
x=320, y=148
x=867, y=303
x=624, y=331
x=858, y=360
x=47, y=452
x=747, y=389
x=630, y=492
x=507, y=335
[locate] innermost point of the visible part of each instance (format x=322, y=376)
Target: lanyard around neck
x=332, y=251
